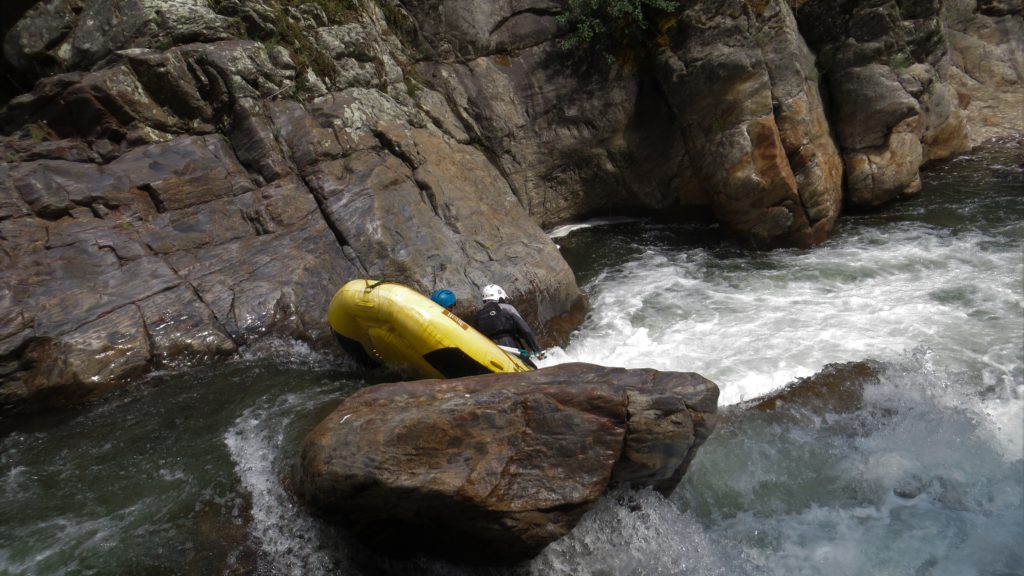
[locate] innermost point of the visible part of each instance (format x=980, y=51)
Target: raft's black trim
x=356, y=350
x=453, y=363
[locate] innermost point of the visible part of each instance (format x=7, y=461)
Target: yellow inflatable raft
x=389, y=323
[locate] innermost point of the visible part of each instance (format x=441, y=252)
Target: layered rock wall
x=170, y=205
x=185, y=177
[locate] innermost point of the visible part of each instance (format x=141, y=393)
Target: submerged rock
x=837, y=388
x=493, y=468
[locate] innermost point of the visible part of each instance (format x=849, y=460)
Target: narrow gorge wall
x=187, y=177
x=773, y=115
x=165, y=205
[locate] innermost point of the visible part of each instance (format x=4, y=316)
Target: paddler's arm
x=524, y=331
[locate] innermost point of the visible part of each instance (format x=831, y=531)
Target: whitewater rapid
x=753, y=327
x=926, y=477
x=756, y=328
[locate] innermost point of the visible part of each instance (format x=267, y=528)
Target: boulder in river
x=493, y=468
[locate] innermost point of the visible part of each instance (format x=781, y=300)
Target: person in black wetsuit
x=501, y=322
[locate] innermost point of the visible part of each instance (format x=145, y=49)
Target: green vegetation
x=39, y=132
x=412, y=87
x=294, y=35
x=337, y=11
x=901, y=61
x=400, y=23
x=303, y=49
x=613, y=27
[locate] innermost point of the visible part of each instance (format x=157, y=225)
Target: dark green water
x=153, y=479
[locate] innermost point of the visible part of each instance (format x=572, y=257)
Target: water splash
x=638, y=532
x=565, y=230
x=756, y=325
x=912, y=483
x=287, y=538
x=925, y=478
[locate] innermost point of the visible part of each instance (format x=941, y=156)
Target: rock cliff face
x=986, y=65
x=892, y=112
x=169, y=205
x=744, y=86
x=731, y=121
x=186, y=176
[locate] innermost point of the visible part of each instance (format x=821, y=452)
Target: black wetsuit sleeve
x=523, y=330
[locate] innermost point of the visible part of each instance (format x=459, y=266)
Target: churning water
x=186, y=473
x=925, y=478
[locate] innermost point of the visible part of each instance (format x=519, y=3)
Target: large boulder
x=744, y=86
x=493, y=468
x=892, y=110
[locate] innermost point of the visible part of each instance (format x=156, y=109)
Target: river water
x=186, y=472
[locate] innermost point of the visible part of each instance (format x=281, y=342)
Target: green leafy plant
x=412, y=87
x=399, y=22
x=39, y=132
x=901, y=61
x=306, y=54
x=292, y=31
x=608, y=27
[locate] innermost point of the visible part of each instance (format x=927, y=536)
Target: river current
x=186, y=472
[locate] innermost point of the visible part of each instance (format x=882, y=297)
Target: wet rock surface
x=168, y=207
x=495, y=467
x=743, y=84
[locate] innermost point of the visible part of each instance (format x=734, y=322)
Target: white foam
x=281, y=528
x=565, y=230
x=909, y=484
x=1004, y=421
x=74, y=540
x=757, y=326
x=636, y=532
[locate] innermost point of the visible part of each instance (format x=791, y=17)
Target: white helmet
x=493, y=293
